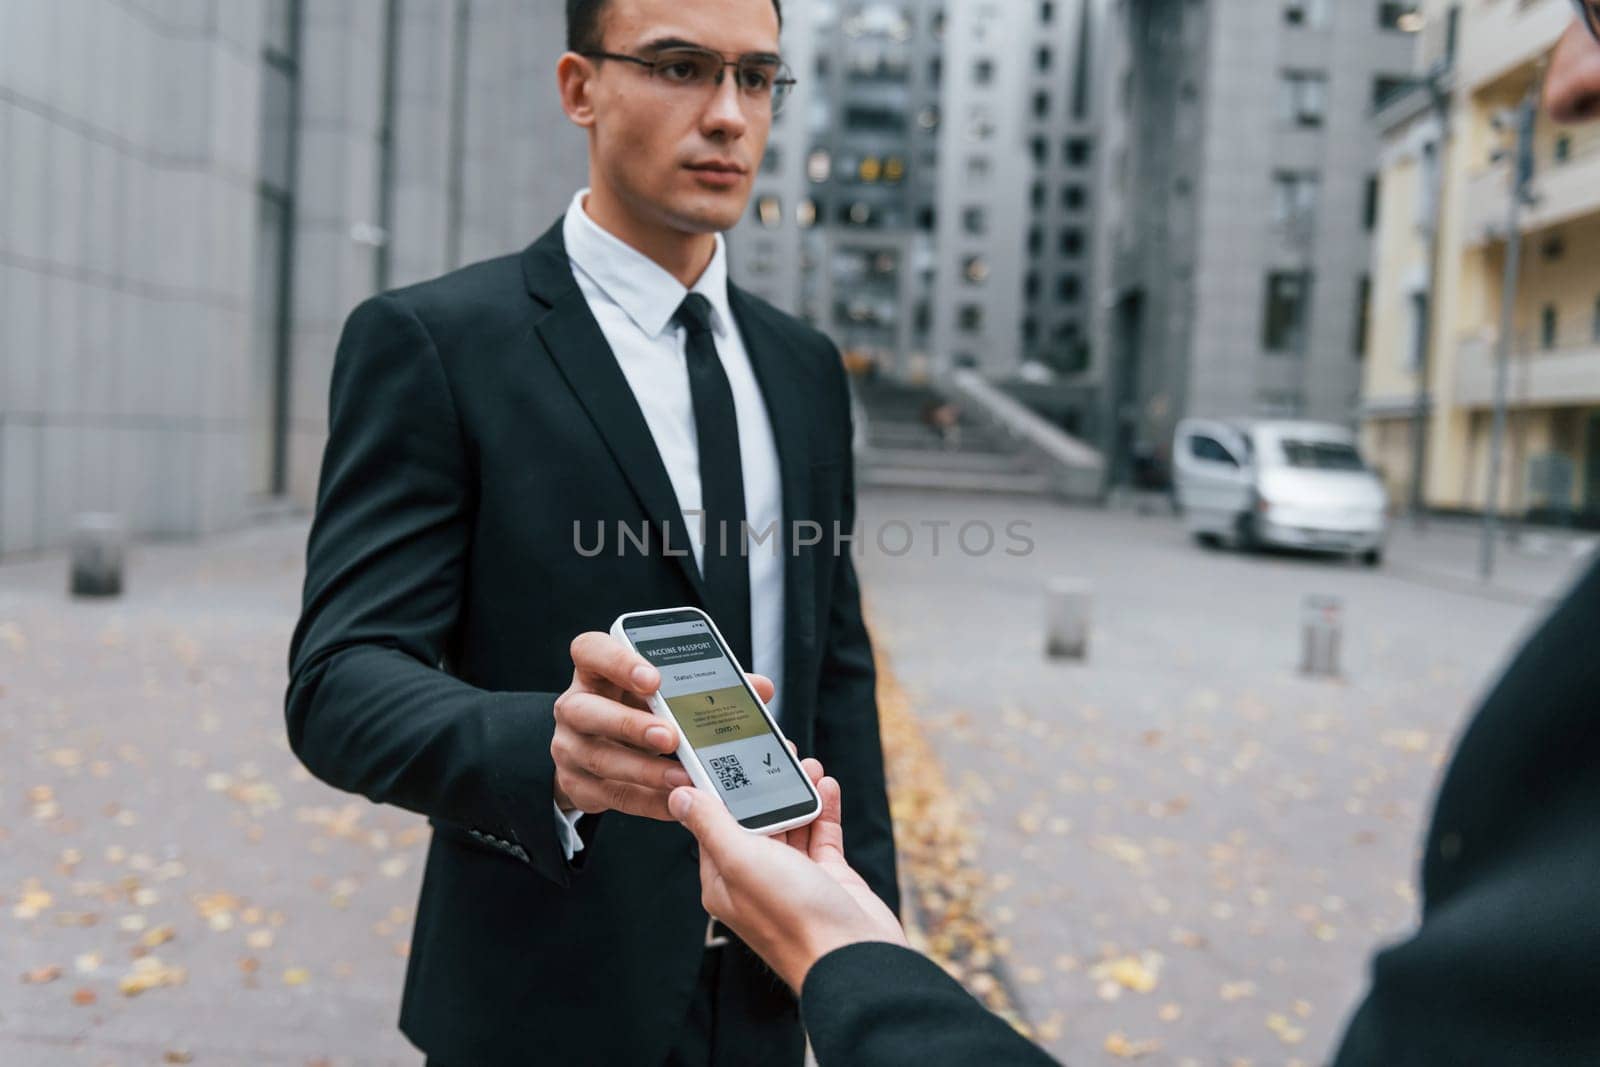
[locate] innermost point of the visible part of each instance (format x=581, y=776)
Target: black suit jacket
x=1505, y=968
x=474, y=420
x=879, y=1005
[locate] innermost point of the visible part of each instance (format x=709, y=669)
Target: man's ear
x=575, y=77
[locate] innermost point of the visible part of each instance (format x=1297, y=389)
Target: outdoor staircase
x=902, y=451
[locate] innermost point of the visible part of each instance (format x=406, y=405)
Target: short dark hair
x=583, y=23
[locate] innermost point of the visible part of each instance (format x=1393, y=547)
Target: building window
x=857, y=214
x=1310, y=13
x=936, y=70
x=975, y=269
x=1041, y=104
x=974, y=220
x=1549, y=323
x=1294, y=196
x=1369, y=208
x=983, y=71
x=1393, y=15
x=1283, y=316
x=1035, y=240
x=770, y=161
x=1047, y=12
x=971, y=318
x=1386, y=86
x=1068, y=288
x=769, y=210
x=1037, y=195
x=1030, y=331
x=1427, y=184
x=1071, y=241
x=1563, y=148
x=1594, y=327
x=1077, y=151
x=1030, y=288
x=865, y=118
x=805, y=214
x=1363, y=311
x=1416, y=350
x=1073, y=198
x=1042, y=59
x=1304, y=97
x=1040, y=149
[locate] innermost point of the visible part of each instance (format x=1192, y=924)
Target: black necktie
x=724, y=568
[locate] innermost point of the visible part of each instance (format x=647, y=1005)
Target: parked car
x=1284, y=484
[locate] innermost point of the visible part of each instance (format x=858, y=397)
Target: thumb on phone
x=704, y=817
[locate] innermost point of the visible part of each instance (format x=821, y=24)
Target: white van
x=1286, y=484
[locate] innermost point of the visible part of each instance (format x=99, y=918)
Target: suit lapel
x=569, y=333
x=578, y=346
x=785, y=392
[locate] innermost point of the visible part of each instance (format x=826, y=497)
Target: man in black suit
x=1502, y=970
x=502, y=441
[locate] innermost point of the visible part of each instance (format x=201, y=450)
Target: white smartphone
x=727, y=740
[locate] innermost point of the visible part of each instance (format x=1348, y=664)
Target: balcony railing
x=1564, y=188
x=1563, y=376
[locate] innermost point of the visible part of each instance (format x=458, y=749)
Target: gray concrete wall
x=521, y=161
x=1246, y=142
x=128, y=132
x=133, y=377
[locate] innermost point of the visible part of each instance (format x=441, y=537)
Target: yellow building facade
x=1481, y=58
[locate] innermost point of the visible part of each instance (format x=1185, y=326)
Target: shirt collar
x=646, y=291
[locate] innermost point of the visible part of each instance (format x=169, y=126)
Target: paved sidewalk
x=174, y=884
x=1183, y=842
x=1191, y=851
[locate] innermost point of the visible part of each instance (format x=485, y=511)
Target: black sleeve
x=371, y=707
x=1502, y=968
x=847, y=739
x=875, y=1004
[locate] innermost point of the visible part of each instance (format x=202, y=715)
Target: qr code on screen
x=730, y=772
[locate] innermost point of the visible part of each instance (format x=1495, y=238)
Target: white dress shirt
x=634, y=299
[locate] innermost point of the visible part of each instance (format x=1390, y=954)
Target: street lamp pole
x=1521, y=177
x=1439, y=95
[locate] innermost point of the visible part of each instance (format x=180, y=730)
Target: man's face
x=657, y=146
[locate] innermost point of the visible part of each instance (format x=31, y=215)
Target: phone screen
x=748, y=763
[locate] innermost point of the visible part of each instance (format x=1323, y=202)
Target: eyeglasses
x=764, y=80
x=1589, y=14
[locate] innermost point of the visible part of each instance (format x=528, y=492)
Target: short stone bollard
x=1321, y=628
x=1068, y=605
x=99, y=545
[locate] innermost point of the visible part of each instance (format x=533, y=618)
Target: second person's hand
x=792, y=898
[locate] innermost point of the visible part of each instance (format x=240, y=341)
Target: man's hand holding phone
x=608, y=746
